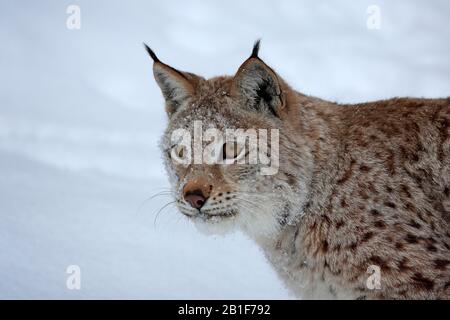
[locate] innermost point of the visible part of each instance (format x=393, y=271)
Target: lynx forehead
x=359, y=206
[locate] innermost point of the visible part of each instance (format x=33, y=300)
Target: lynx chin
x=359, y=207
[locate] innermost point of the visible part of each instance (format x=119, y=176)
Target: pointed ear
x=257, y=85
x=176, y=86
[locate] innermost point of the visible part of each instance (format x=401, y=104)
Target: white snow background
x=81, y=116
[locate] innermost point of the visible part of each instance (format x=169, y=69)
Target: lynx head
x=215, y=178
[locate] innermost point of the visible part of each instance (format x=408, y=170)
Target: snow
x=81, y=117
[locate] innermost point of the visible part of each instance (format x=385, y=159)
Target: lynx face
x=234, y=193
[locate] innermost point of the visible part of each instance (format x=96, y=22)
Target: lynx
x=360, y=205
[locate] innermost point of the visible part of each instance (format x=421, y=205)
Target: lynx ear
x=258, y=85
x=176, y=86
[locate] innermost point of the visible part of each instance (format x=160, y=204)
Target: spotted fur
x=358, y=185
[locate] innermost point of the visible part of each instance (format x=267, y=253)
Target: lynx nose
x=195, y=198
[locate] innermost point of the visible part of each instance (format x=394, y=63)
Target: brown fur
x=382, y=197
x=365, y=184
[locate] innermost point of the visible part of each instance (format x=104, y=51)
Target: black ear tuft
x=258, y=85
x=151, y=53
x=255, y=49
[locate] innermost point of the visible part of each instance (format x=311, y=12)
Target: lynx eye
x=179, y=151
x=231, y=150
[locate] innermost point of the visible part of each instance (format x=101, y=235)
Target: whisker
x=257, y=205
x=159, y=194
x=247, y=207
x=160, y=210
